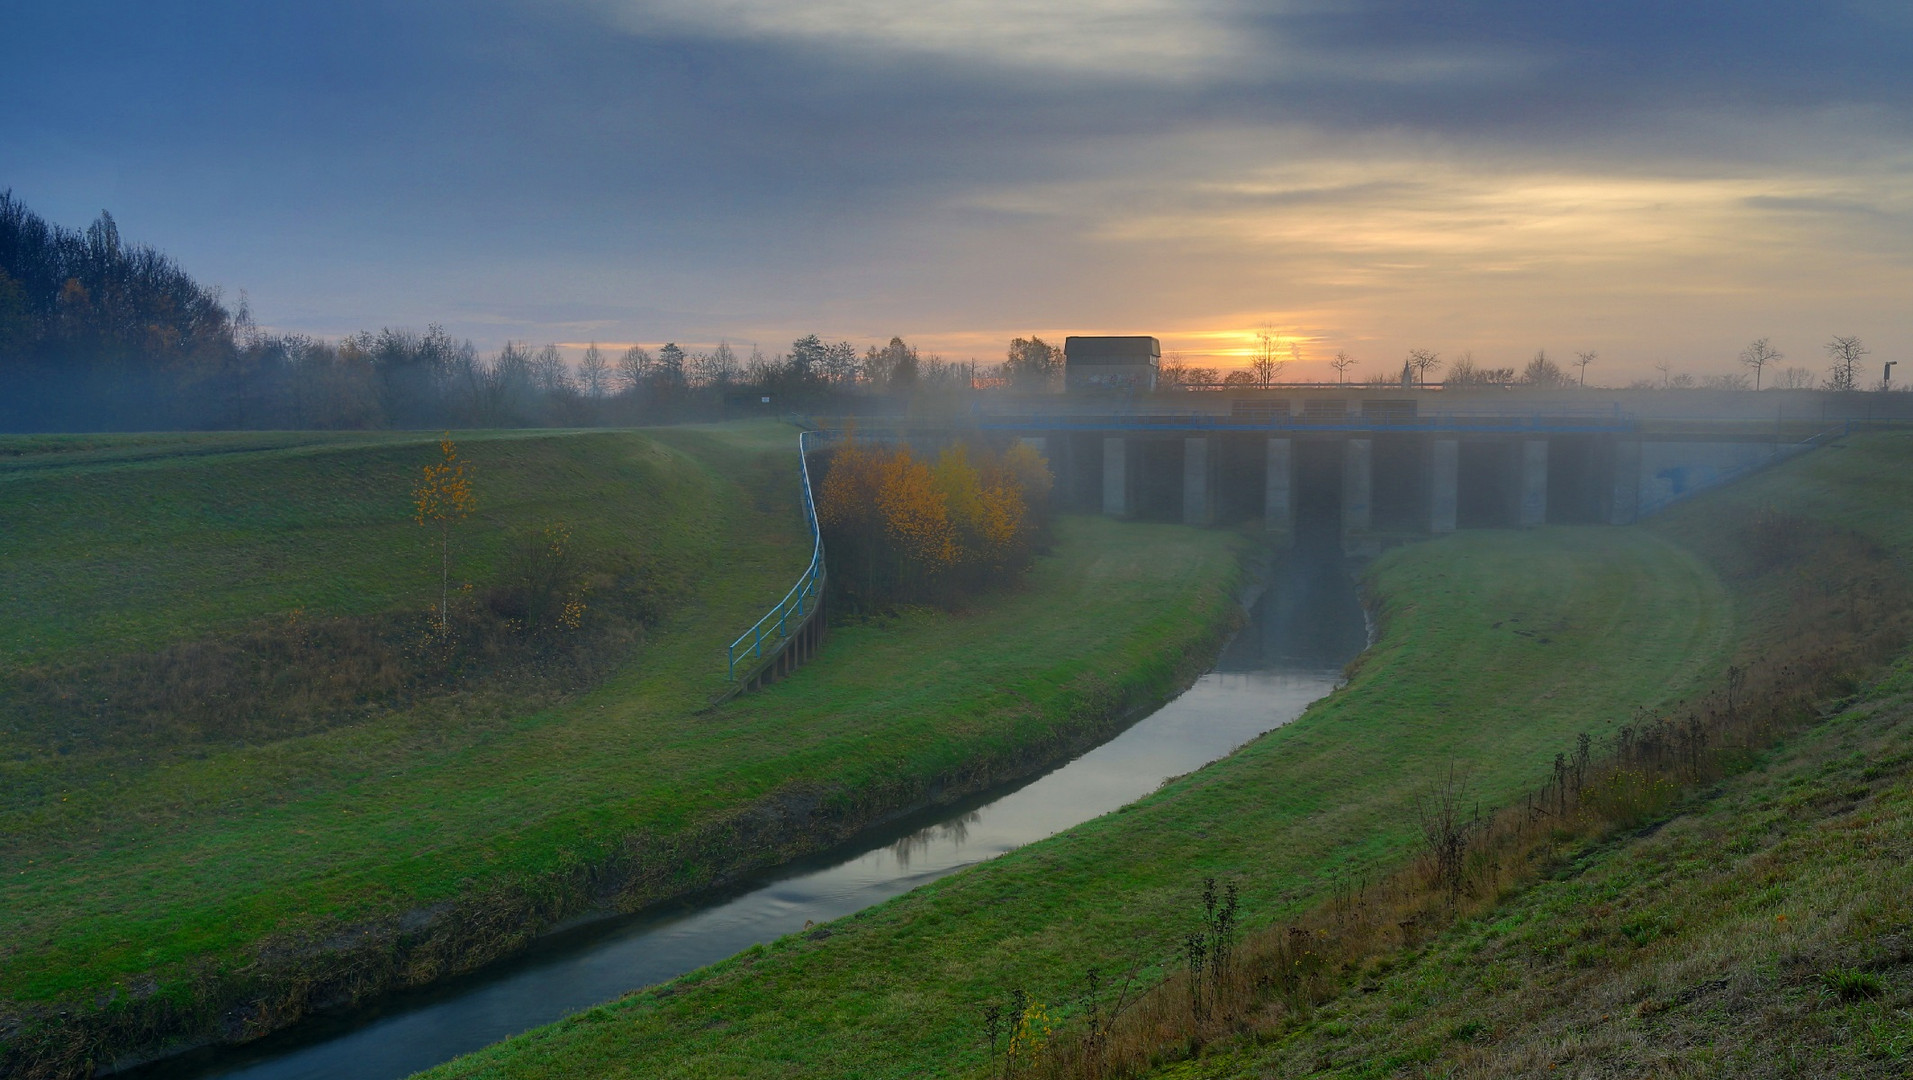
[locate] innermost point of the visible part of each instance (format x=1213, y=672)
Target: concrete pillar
x=1625, y=505
x=1534, y=483
x=1116, y=477
x=1444, y=485
x=1278, y=493
x=1196, y=503
x=1358, y=485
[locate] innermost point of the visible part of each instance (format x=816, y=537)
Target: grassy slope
x=1718, y=945
x=892, y=991
x=208, y=532
x=197, y=860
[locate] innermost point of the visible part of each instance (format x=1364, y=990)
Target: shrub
x=900, y=530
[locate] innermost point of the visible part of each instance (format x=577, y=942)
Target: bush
x=541, y=585
x=899, y=529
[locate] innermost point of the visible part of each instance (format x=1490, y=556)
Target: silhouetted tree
x=1268, y=357
x=1032, y=363
x=1543, y=373
x=594, y=375
x=1423, y=361
x=1757, y=355
x=1846, y=354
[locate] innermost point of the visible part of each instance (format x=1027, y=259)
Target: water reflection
x=950, y=833
x=1305, y=628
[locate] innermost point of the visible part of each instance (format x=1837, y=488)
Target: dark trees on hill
x=100, y=335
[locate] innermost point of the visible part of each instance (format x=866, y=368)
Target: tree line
x=1845, y=356
x=100, y=334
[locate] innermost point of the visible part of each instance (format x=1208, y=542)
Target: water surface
x=1303, y=630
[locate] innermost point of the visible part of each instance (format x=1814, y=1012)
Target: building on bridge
x=1111, y=363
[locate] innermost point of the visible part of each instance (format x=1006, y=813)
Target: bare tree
x=1266, y=361
x=1173, y=374
x=1758, y=355
x=1447, y=827
x=1341, y=364
x=594, y=375
x=1423, y=361
x=1795, y=378
x=1543, y=373
x=717, y=369
x=548, y=371
x=1582, y=360
x=1666, y=368
x=1846, y=353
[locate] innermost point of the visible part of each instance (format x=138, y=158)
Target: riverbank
x=224, y=896
x=1756, y=920
x=1481, y=635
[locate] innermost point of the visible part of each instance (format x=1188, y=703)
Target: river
x=1304, y=628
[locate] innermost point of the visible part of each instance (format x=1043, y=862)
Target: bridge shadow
x=1310, y=617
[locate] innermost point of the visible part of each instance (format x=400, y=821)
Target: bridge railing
x=1550, y=421
x=781, y=623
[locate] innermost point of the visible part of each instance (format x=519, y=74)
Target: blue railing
x=781, y=623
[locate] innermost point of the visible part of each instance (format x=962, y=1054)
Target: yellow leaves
x=1031, y=1033
x=849, y=495
x=945, y=522
x=915, y=512
x=444, y=493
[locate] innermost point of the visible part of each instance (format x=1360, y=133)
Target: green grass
x=178, y=872
x=141, y=540
x=1766, y=930
x=1497, y=648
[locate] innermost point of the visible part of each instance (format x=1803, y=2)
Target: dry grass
x=1841, y=607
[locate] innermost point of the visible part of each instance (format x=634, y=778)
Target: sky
x=1657, y=182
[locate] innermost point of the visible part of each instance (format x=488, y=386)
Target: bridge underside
x=1369, y=486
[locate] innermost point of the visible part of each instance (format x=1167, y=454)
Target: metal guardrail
x=775, y=630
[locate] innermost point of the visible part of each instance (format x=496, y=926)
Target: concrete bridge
x=1391, y=464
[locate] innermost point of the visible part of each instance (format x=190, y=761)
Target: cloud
x=1157, y=39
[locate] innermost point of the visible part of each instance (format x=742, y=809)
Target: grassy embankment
x=217, y=881
x=1496, y=649
x=1763, y=929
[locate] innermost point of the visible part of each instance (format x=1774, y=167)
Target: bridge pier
x=1625, y=503
x=1444, y=485
x=1198, y=508
x=1278, y=490
x=1533, y=508
x=1116, y=476
x=1358, y=485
